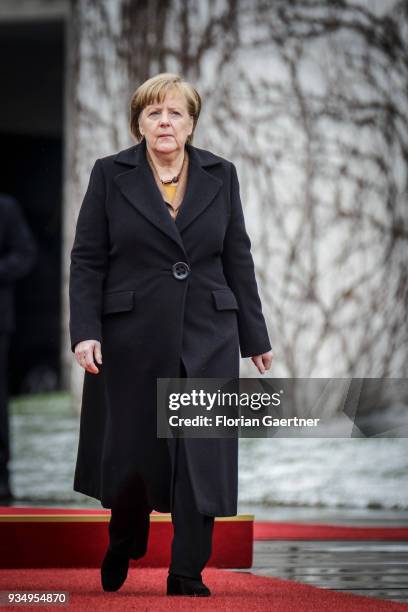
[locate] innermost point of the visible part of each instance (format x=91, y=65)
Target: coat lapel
x=139, y=187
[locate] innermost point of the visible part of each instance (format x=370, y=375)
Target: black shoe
x=182, y=585
x=114, y=570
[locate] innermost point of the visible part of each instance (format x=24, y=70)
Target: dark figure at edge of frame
x=17, y=256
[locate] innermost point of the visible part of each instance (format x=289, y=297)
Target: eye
x=153, y=113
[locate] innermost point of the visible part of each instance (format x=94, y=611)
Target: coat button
x=180, y=270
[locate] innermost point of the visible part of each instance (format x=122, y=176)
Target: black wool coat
x=149, y=313
x=18, y=254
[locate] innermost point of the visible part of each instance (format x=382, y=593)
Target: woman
x=162, y=284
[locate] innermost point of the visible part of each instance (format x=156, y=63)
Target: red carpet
x=61, y=538
x=144, y=590
x=268, y=530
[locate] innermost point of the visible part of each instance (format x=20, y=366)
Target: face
x=166, y=126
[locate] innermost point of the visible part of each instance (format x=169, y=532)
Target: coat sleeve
x=239, y=271
x=19, y=251
x=89, y=257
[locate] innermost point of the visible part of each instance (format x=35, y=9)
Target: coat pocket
x=119, y=301
x=224, y=299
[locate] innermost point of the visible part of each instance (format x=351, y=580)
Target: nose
x=164, y=120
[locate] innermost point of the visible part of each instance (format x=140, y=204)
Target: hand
x=263, y=362
x=85, y=352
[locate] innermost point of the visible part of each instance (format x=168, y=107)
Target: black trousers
x=192, y=539
x=4, y=416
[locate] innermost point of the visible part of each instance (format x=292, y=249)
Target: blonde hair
x=154, y=90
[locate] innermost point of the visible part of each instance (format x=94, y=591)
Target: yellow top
x=170, y=191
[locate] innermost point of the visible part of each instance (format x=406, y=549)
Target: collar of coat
x=139, y=187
